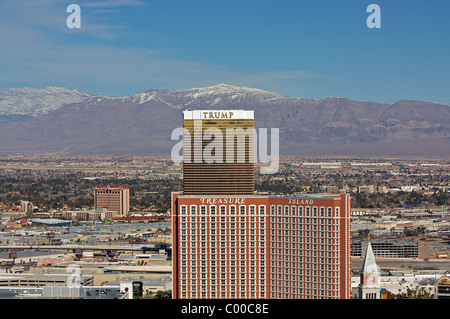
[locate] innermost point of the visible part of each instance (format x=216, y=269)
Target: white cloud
x=111, y=3
x=37, y=49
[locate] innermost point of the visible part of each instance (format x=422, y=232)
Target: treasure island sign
x=241, y=201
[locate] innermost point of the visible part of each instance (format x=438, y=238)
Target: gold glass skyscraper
x=218, y=152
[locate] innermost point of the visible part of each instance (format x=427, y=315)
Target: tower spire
x=369, y=287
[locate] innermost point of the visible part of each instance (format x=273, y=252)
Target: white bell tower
x=369, y=286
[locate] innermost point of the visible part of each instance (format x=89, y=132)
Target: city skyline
x=303, y=49
x=135, y=156
x=414, y=235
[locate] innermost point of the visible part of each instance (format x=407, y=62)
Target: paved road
x=12, y=293
x=100, y=293
x=87, y=293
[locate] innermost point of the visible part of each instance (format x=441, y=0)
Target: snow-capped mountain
x=143, y=123
x=223, y=93
x=214, y=95
x=37, y=101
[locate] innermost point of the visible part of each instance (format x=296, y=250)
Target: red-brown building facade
x=113, y=198
x=261, y=246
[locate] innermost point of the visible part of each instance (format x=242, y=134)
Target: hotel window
x=252, y=209
x=232, y=210
x=262, y=209
x=272, y=209
x=242, y=210
x=223, y=210
x=293, y=210
x=300, y=210
x=212, y=210
x=183, y=210
x=315, y=211
x=286, y=210
x=279, y=210
x=203, y=210
x=322, y=212
x=330, y=211
x=193, y=209
x=337, y=211
x=307, y=211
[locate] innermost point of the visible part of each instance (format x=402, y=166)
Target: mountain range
x=26, y=102
x=53, y=120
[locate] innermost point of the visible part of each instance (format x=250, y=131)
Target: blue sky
x=292, y=47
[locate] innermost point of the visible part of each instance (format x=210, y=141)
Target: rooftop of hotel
x=289, y=196
x=217, y=114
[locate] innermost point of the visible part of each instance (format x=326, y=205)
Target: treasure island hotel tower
x=230, y=243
